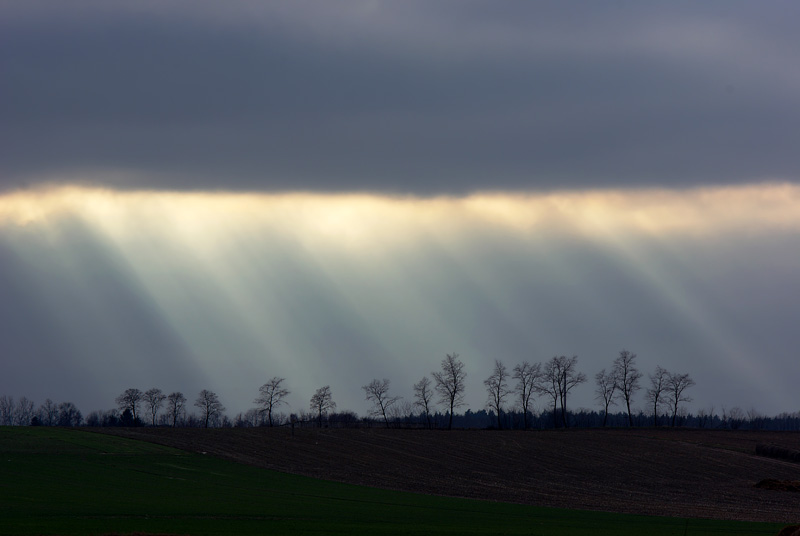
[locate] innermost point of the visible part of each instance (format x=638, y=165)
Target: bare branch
x=450, y=384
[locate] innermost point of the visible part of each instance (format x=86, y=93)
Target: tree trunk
x=630, y=417
x=450, y=423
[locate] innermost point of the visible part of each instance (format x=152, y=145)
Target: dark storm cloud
x=398, y=96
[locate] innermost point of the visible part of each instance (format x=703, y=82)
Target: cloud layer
x=402, y=97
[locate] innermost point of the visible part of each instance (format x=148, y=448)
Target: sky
x=203, y=195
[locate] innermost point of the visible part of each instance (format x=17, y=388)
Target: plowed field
x=684, y=473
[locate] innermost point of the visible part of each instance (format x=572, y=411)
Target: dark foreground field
x=68, y=482
x=682, y=473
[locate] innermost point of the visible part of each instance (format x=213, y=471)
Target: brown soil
x=683, y=473
x=779, y=485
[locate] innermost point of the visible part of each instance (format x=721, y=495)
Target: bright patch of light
x=356, y=219
x=251, y=270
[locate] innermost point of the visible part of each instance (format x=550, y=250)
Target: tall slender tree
x=528, y=382
x=605, y=391
x=209, y=404
x=271, y=395
x=48, y=413
x=655, y=393
x=424, y=398
x=322, y=402
x=497, y=389
x=569, y=378
x=450, y=384
x=175, y=406
x=549, y=385
x=676, y=385
x=627, y=378
x=377, y=392
x=7, y=407
x=560, y=377
x=153, y=399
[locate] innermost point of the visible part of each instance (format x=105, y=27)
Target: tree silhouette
x=209, y=404
x=23, y=413
x=450, y=384
x=550, y=385
x=658, y=384
x=48, y=413
x=676, y=385
x=377, y=392
x=560, y=377
x=7, y=410
x=271, y=395
x=528, y=382
x=570, y=377
x=424, y=397
x=497, y=389
x=606, y=386
x=322, y=402
x=627, y=379
x=130, y=399
x=175, y=406
x=69, y=415
x=154, y=399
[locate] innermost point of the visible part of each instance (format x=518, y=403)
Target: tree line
x=511, y=395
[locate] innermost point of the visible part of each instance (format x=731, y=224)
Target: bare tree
x=175, y=406
x=570, y=377
x=23, y=413
x=424, y=397
x=377, y=392
x=734, y=417
x=528, y=382
x=403, y=410
x=69, y=415
x=153, y=399
x=606, y=387
x=7, y=406
x=627, y=377
x=130, y=400
x=322, y=402
x=450, y=384
x=550, y=385
x=209, y=404
x=755, y=419
x=676, y=385
x=497, y=389
x=658, y=384
x=560, y=377
x=48, y=413
x=271, y=395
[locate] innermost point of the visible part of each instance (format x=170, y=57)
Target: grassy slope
x=55, y=481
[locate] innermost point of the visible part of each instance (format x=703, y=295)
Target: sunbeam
x=233, y=288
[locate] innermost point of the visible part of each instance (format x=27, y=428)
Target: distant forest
x=22, y=412
x=509, y=404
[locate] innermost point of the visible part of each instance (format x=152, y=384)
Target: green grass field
x=57, y=481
